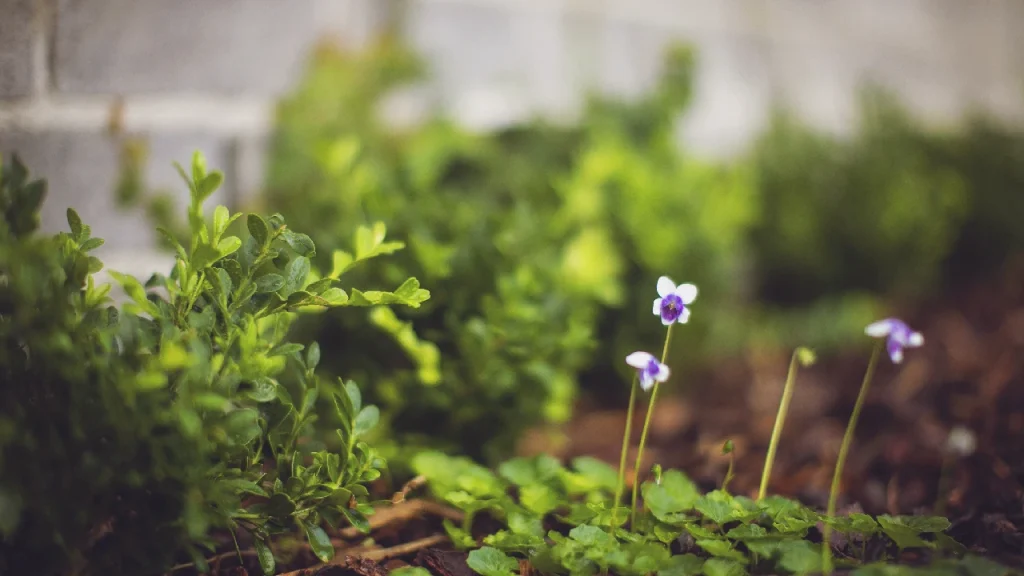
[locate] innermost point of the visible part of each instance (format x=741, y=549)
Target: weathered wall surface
x=187, y=74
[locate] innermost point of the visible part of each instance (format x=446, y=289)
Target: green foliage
x=546, y=240
x=127, y=435
x=560, y=520
x=531, y=237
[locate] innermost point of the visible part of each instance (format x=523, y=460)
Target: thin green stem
x=621, y=486
x=780, y=418
x=643, y=434
x=844, y=448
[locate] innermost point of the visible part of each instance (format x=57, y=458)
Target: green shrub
x=128, y=435
x=530, y=237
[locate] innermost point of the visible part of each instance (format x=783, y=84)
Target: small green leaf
x=228, y=246
x=800, y=556
x=313, y=356
x=905, y=530
x=269, y=283
x=341, y=262
x=539, y=499
x=243, y=425
x=597, y=471
x=676, y=494
x=75, y=223
x=319, y=542
x=489, y=561
x=91, y=244
x=721, y=549
x=265, y=556
x=286, y=349
x=683, y=565
x=723, y=567
x=300, y=243
x=354, y=396
x=366, y=420
x=220, y=220
x=280, y=505
x=295, y=274
x=264, y=389
x=591, y=536
x=258, y=229
x=309, y=400
x=209, y=185
x=357, y=519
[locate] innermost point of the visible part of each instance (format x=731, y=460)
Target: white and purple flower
x=649, y=369
x=899, y=336
x=673, y=301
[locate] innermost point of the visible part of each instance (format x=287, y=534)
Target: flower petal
x=665, y=286
x=684, y=316
x=646, y=382
x=663, y=373
x=882, y=328
x=915, y=340
x=687, y=293
x=895, y=351
x=639, y=360
x=657, y=306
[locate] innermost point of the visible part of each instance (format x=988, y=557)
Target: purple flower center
x=671, y=307
x=652, y=369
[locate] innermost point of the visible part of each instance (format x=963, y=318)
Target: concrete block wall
x=186, y=74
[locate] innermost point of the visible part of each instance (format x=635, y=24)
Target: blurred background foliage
x=541, y=241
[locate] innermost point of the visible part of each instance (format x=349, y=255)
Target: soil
x=969, y=375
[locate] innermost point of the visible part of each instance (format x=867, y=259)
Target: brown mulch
x=969, y=374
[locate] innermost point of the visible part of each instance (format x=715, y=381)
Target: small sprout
x=727, y=450
x=898, y=337
x=962, y=441
x=648, y=368
x=656, y=474
x=806, y=356
x=673, y=301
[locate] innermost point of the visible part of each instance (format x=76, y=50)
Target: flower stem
x=826, y=535
x=621, y=486
x=780, y=418
x=643, y=434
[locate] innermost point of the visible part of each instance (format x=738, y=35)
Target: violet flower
x=899, y=336
x=672, y=306
x=650, y=370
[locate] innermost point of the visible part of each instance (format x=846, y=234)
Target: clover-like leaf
x=723, y=567
x=489, y=561
x=675, y=495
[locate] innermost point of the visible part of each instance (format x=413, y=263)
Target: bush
x=129, y=435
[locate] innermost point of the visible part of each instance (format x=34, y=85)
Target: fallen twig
x=374, y=554
x=406, y=510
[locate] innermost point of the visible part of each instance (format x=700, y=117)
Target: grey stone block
x=16, y=48
x=82, y=170
x=226, y=47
